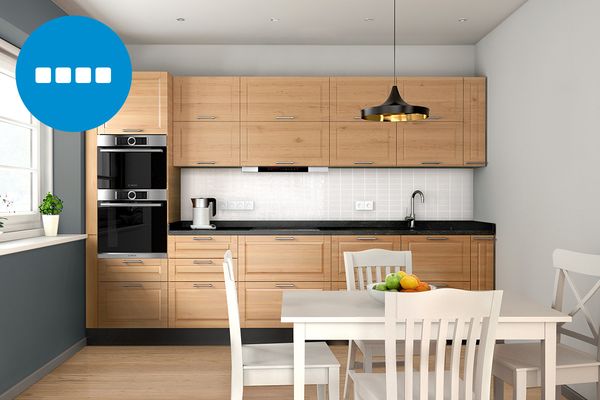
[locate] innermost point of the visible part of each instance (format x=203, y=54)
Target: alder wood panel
x=433, y=144
x=173, y=174
x=443, y=96
x=194, y=270
x=362, y=144
x=91, y=182
x=197, y=305
x=349, y=95
x=290, y=98
x=483, y=262
x=206, y=144
x=341, y=244
x=475, y=122
x=285, y=143
x=146, y=109
x=274, y=258
x=91, y=281
x=132, y=270
x=132, y=305
x=440, y=258
x=206, y=98
x=260, y=302
x=201, y=246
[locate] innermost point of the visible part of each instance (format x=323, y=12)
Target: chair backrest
x=431, y=318
x=566, y=263
x=368, y=266
x=235, y=335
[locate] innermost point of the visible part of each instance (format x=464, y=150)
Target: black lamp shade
x=394, y=109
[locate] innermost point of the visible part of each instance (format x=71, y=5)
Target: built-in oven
x=132, y=162
x=132, y=223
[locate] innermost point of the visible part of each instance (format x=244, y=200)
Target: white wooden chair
x=519, y=364
x=273, y=364
x=362, y=269
x=432, y=318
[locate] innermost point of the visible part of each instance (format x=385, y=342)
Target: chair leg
x=237, y=392
x=367, y=360
x=351, y=364
x=320, y=392
x=498, y=388
x=334, y=384
x=520, y=386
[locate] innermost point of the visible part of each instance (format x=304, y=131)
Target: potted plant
x=50, y=208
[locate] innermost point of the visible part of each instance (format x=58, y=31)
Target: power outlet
x=364, y=205
x=237, y=205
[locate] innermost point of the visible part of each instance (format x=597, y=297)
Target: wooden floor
x=167, y=372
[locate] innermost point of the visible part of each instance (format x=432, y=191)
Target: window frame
x=28, y=224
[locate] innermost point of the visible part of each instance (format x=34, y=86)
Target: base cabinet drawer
x=197, y=305
x=440, y=258
x=201, y=269
x=202, y=246
x=132, y=270
x=260, y=302
x=341, y=244
x=132, y=305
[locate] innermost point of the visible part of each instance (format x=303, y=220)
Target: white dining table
x=355, y=315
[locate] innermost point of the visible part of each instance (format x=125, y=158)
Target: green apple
x=392, y=281
x=381, y=287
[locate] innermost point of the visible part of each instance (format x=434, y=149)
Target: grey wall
x=542, y=184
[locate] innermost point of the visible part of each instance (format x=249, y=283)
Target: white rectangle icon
x=83, y=75
x=43, y=75
x=103, y=75
x=62, y=75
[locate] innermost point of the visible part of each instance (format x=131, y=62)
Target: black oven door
x=138, y=228
x=132, y=168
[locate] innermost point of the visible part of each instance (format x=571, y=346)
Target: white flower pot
x=50, y=224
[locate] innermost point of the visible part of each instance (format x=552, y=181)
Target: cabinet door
x=440, y=258
x=132, y=270
x=430, y=144
x=275, y=258
x=284, y=143
x=482, y=262
x=260, y=302
x=146, y=109
x=475, y=122
x=443, y=96
x=206, y=144
x=197, y=305
x=132, y=305
x=349, y=95
x=341, y=244
x=200, y=98
x=285, y=99
x=363, y=144
x=201, y=246
x=198, y=270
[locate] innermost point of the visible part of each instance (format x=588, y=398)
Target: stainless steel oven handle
x=131, y=205
x=131, y=150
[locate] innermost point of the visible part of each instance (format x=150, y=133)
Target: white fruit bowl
x=379, y=295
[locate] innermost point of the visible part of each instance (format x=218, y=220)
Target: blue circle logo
x=73, y=73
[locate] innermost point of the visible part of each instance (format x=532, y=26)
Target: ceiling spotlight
x=180, y=19
x=368, y=19
x=463, y=19
x=273, y=19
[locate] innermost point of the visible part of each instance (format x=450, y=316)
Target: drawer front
x=341, y=244
x=260, y=302
x=273, y=258
x=132, y=305
x=197, y=305
x=201, y=269
x=440, y=258
x=132, y=270
x=203, y=246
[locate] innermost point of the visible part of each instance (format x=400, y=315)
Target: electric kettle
x=202, y=212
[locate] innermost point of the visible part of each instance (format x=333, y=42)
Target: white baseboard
x=44, y=370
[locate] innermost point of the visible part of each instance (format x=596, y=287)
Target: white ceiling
x=318, y=22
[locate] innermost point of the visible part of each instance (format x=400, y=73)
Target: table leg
x=549, y=362
x=299, y=360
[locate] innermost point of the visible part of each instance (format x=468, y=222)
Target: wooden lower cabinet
x=132, y=305
x=482, y=262
x=201, y=246
x=440, y=258
x=132, y=270
x=260, y=302
x=191, y=270
x=197, y=305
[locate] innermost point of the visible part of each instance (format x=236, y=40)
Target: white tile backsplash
x=332, y=195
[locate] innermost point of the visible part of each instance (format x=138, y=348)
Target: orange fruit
x=409, y=282
x=423, y=287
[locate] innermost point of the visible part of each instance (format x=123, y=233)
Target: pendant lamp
x=395, y=109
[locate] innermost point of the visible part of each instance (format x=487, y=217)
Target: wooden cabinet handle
x=431, y=163
x=132, y=130
x=203, y=238
x=366, y=238
x=133, y=285
x=203, y=262
x=203, y=285
x=285, y=238
x=206, y=162
x=206, y=117
x=363, y=162
x=288, y=117
x=436, y=238
x=285, y=285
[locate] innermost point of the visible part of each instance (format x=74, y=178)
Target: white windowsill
x=16, y=246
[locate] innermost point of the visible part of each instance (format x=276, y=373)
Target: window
x=24, y=160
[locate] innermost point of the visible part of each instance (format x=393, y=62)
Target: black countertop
x=336, y=228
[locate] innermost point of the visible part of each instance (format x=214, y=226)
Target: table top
x=358, y=306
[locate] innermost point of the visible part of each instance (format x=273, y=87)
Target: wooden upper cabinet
x=482, y=262
x=363, y=144
x=206, y=144
x=285, y=99
x=284, y=143
x=206, y=98
x=349, y=95
x=147, y=107
x=475, y=121
x=438, y=259
x=443, y=96
x=435, y=144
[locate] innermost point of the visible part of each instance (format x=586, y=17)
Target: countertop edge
x=38, y=242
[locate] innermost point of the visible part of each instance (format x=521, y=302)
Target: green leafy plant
x=51, y=205
x=2, y=223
